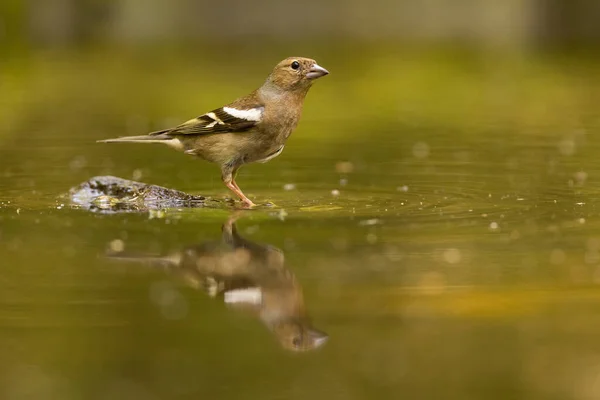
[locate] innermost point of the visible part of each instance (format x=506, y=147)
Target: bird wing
x=221, y=120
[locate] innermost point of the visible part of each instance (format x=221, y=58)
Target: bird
x=252, y=128
x=247, y=276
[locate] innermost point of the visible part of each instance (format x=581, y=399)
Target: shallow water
x=440, y=264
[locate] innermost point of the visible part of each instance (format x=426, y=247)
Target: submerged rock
x=112, y=194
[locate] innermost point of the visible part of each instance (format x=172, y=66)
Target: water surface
x=441, y=260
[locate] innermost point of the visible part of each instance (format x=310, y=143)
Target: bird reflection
x=245, y=275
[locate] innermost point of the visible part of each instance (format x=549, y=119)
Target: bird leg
x=239, y=193
x=234, y=183
x=228, y=176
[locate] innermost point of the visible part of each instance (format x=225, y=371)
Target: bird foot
x=247, y=203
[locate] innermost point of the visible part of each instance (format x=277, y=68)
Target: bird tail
x=155, y=137
x=153, y=260
x=152, y=138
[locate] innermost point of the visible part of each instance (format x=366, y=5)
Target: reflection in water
x=248, y=276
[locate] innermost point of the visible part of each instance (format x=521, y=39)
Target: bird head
x=296, y=73
x=299, y=336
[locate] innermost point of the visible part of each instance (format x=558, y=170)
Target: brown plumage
x=253, y=128
x=245, y=275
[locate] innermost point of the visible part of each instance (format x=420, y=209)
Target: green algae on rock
x=113, y=194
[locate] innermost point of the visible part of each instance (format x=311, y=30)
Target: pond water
x=388, y=260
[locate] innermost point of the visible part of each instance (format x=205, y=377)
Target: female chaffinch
x=245, y=275
x=253, y=128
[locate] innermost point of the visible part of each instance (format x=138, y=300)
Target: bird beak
x=318, y=338
x=316, y=71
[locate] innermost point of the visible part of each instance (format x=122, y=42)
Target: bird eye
x=295, y=65
x=296, y=341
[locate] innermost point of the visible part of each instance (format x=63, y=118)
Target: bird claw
x=247, y=203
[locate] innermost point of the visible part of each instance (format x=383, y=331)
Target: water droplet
x=369, y=222
x=344, y=167
x=452, y=256
x=116, y=246
x=581, y=177
x=566, y=147
x=420, y=150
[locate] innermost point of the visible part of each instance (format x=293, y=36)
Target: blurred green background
x=438, y=203
x=77, y=71
x=131, y=65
